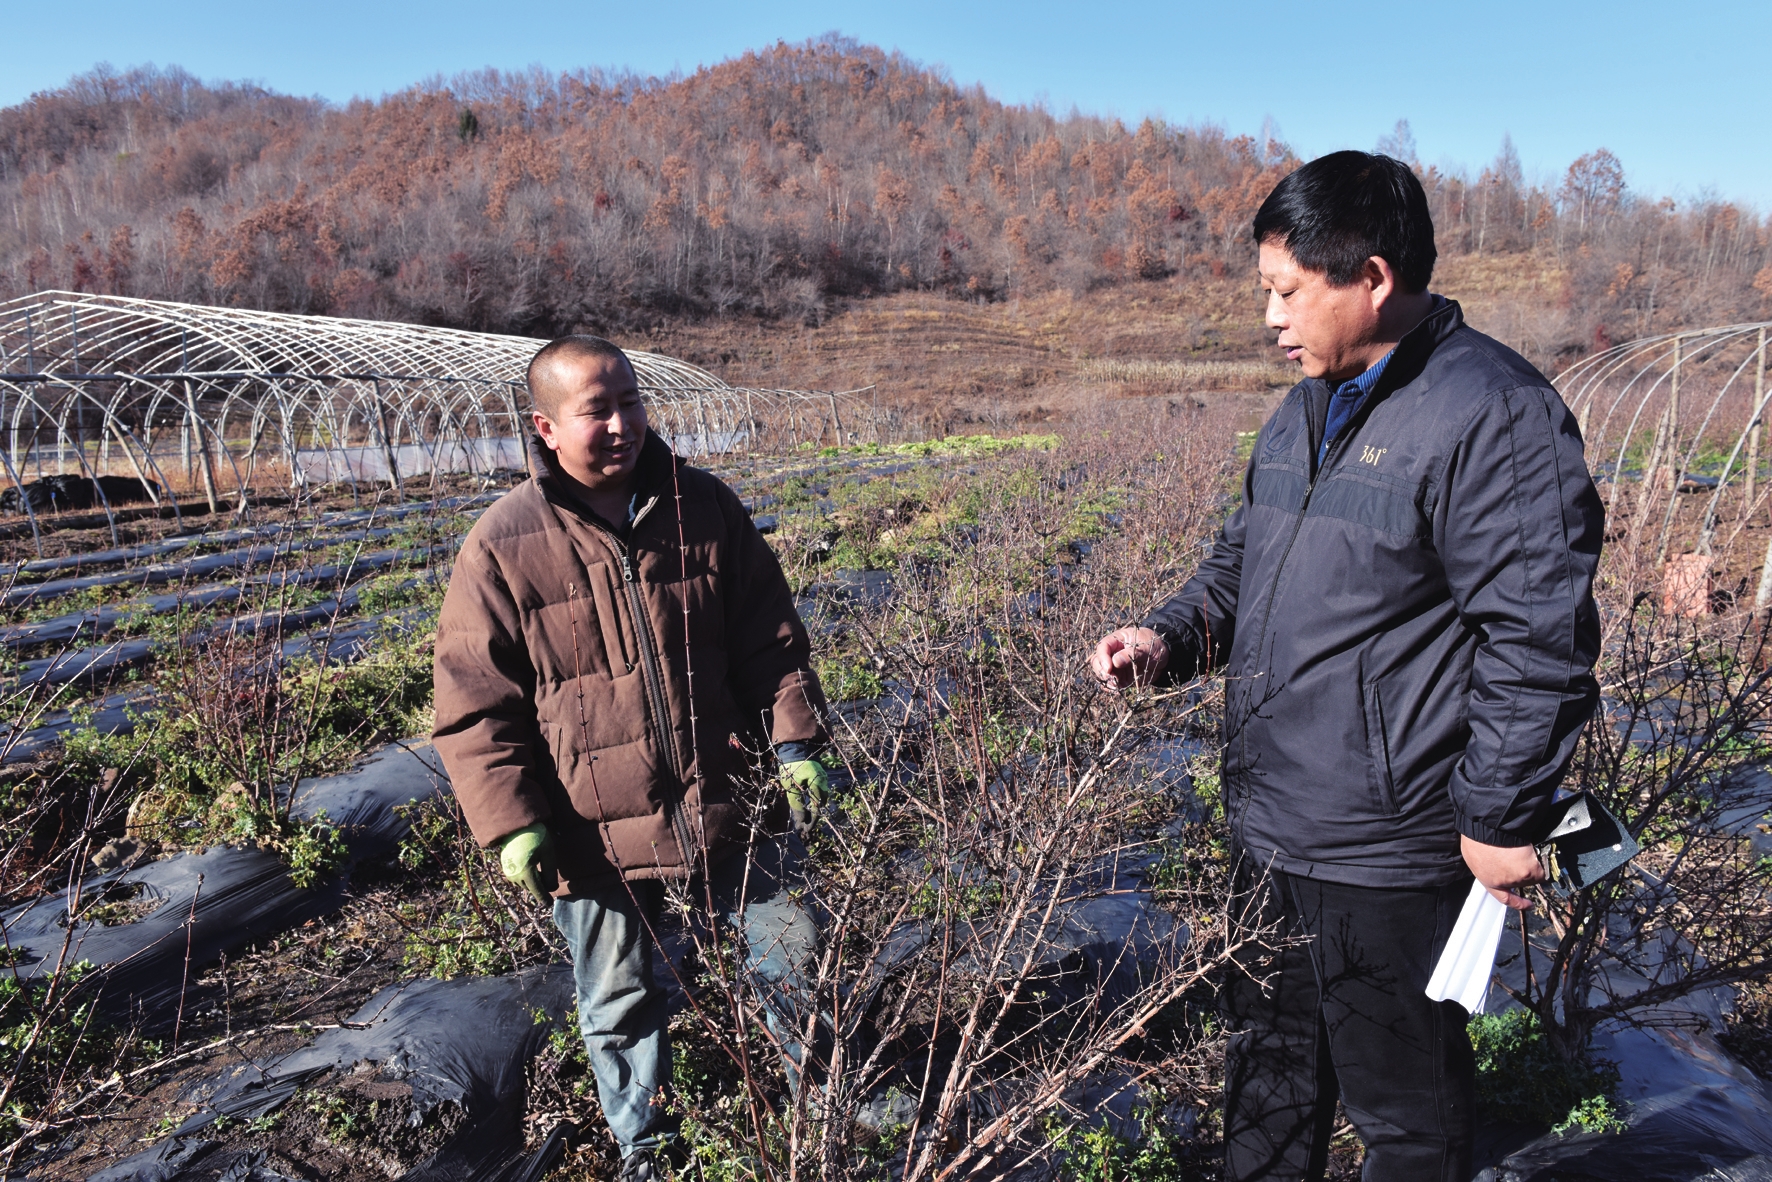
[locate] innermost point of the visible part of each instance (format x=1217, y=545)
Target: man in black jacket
x=1403, y=603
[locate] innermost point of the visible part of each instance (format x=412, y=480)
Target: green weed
x=953, y=445
x=848, y=680
x=212, y=760
x=469, y=923
x=1100, y=1155
x=1521, y=1077
x=52, y=1042
x=337, y=1120
x=390, y=592
x=313, y=850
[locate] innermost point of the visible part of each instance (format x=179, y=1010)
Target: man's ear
x=1381, y=278
x=544, y=427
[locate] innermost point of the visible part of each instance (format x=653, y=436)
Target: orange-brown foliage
x=534, y=202
x=767, y=185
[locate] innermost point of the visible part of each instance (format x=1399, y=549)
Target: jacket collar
x=1419, y=343
x=1411, y=354
x=651, y=473
x=1401, y=366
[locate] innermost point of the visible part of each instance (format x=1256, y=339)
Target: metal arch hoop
x=1643, y=372
x=348, y=397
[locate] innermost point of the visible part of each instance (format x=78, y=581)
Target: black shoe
x=651, y=1164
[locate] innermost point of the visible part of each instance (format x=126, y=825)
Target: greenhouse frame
x=231, y=399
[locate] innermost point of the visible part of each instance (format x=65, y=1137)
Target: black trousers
x=1345, y=1015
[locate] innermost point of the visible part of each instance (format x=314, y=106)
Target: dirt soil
x=947, y=361
x=268, y=1001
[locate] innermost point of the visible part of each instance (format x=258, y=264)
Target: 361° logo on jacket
x=1370, y=455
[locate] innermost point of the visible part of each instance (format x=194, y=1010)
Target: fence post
x=1763, y=600
x=1652, y=463
x=196, y=428
x=387, y=444
x=522, y=432
x=1673, y=420
x=1753, y=432
x=140, y=472
x=701, y=419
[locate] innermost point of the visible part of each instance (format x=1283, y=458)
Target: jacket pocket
x=609, y=615
x=566, y=743
x=1378, y=749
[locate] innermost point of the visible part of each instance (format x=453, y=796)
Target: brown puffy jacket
x=563, y=663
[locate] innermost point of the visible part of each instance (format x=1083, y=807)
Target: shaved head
x=546, y=384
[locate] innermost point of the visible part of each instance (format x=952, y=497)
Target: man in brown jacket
x=611, y=626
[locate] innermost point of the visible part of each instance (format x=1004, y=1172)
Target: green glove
x=809, y=786
x=527, y=858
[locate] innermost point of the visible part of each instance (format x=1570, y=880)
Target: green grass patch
x=53, y=1043
x=1521, y=1077
x=470, y=922
x=211, y=762
x=964, y=446
x=848, y=679
x=1100, y=1155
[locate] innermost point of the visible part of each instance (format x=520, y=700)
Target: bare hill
x=781, y=189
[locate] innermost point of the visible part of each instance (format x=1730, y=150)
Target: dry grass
x=951, y=362
x=1190, y=374
x=1047, y=357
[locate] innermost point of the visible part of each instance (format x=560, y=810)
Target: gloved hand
x=809, y=786
x=527, y=859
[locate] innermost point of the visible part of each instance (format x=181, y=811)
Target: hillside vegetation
x=777, y=187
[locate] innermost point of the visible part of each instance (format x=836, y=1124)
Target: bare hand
x=1500, y=868
x=1131, y=656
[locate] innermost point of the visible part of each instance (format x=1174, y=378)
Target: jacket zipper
x=653, y=676
x=1273, y=590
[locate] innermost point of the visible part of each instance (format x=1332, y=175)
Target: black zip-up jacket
x=1409, y=631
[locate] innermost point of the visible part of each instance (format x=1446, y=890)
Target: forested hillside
x=771, y=185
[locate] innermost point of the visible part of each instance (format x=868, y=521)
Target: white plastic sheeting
x=338, y=465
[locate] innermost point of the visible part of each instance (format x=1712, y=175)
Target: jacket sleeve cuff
x=498, y=842
x=1181, y=666
x=796, y=750
x=491, y=821
x=1477, y=831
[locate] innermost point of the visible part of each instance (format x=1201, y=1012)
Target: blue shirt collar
x=1345, y=403
x=1351, y=395
x=1362, y=385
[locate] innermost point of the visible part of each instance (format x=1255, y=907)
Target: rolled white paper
x=1464, y=968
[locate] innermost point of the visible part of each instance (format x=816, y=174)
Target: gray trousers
x=622, y=1012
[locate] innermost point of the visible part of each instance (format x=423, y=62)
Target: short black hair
x=570, y=347
x=1341, y=209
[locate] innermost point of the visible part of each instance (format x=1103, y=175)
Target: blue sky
x=1677, y=91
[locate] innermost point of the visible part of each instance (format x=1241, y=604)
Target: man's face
x=598, y=422
x=1328, y=330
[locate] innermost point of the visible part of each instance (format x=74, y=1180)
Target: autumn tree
x=766, y=185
